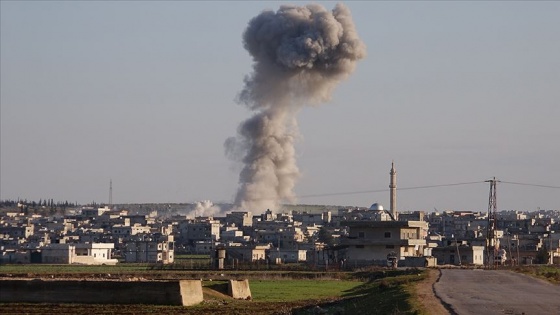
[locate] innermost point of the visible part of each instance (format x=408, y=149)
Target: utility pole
x=458, y=252
x=492, y=245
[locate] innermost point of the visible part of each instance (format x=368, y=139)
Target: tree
x=325, y=236
x=542, y=256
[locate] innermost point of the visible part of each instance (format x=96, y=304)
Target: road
x=467, y=291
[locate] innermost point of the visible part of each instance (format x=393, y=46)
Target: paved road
x=496, y=292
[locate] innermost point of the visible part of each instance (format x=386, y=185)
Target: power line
x=385, y=190
x=534, y=185
x=418, y=187
x=442, y=185
x=344, y=193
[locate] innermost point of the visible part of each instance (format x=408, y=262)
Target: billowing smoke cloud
x=300, y=54
x=204, y=208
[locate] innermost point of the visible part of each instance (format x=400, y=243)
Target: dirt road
x=496, y=292
x=426, y=295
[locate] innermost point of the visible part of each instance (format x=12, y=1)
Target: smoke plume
x=204, y=208
x=300, y=53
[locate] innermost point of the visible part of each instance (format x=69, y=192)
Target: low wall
x=422, y=261
x=239, y=289
x=191, y=292
x=181, y=292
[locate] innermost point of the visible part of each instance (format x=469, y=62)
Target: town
x=314, y=236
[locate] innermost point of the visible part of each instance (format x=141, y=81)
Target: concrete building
x=23, y=231
x=86, y=254
x=287, y=237
x=204, y=247
x=287, y=255
x=233, y=234
x=313, y=218
x=91, y=212
x=459, y=254
x=239, y=218
x=120, y=230
x=371, y=242
x=155, y=248
x=196, y=231
x=247, y=253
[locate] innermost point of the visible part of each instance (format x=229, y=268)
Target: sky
x=143, y=94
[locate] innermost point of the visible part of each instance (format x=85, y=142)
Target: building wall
x=247, y=254
x=240, y=218
x=465, y=255
x=374, y=241
x=160, y=250
x=90, y=254
x=58, y=254
x=370, y=252
x=288, y=256
x=178, y=292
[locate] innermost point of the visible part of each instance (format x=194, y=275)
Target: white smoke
x=204, y=208
x=300, y=54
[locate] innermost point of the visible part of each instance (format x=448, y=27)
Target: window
x=359, y=246
x=361, y=234
x=387, y=234
x=390, y=246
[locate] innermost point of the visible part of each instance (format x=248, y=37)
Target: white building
x=287, y=255
x=87, y=254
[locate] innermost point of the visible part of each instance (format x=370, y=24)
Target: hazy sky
x=143, y=93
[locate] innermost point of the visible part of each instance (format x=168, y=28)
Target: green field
x=40, y=269
x=191, y=256
x=294, y=290
x=150, y=271
x=548, y=272
x=375, y=292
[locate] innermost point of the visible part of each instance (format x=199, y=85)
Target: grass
x=191, y=256
x=150, y=271
x=375, y=292
x=294, y=290
x=550, y=273
x=416, y=306
x=40, y=269
x=390, y=295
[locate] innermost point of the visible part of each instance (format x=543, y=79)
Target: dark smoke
x=300, y=54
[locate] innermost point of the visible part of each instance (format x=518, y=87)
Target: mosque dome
x=376, y=207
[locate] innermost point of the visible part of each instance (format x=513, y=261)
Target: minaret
x=110, y=192
x=393, y=189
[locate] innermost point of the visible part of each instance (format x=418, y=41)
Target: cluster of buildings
x=345, y=238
